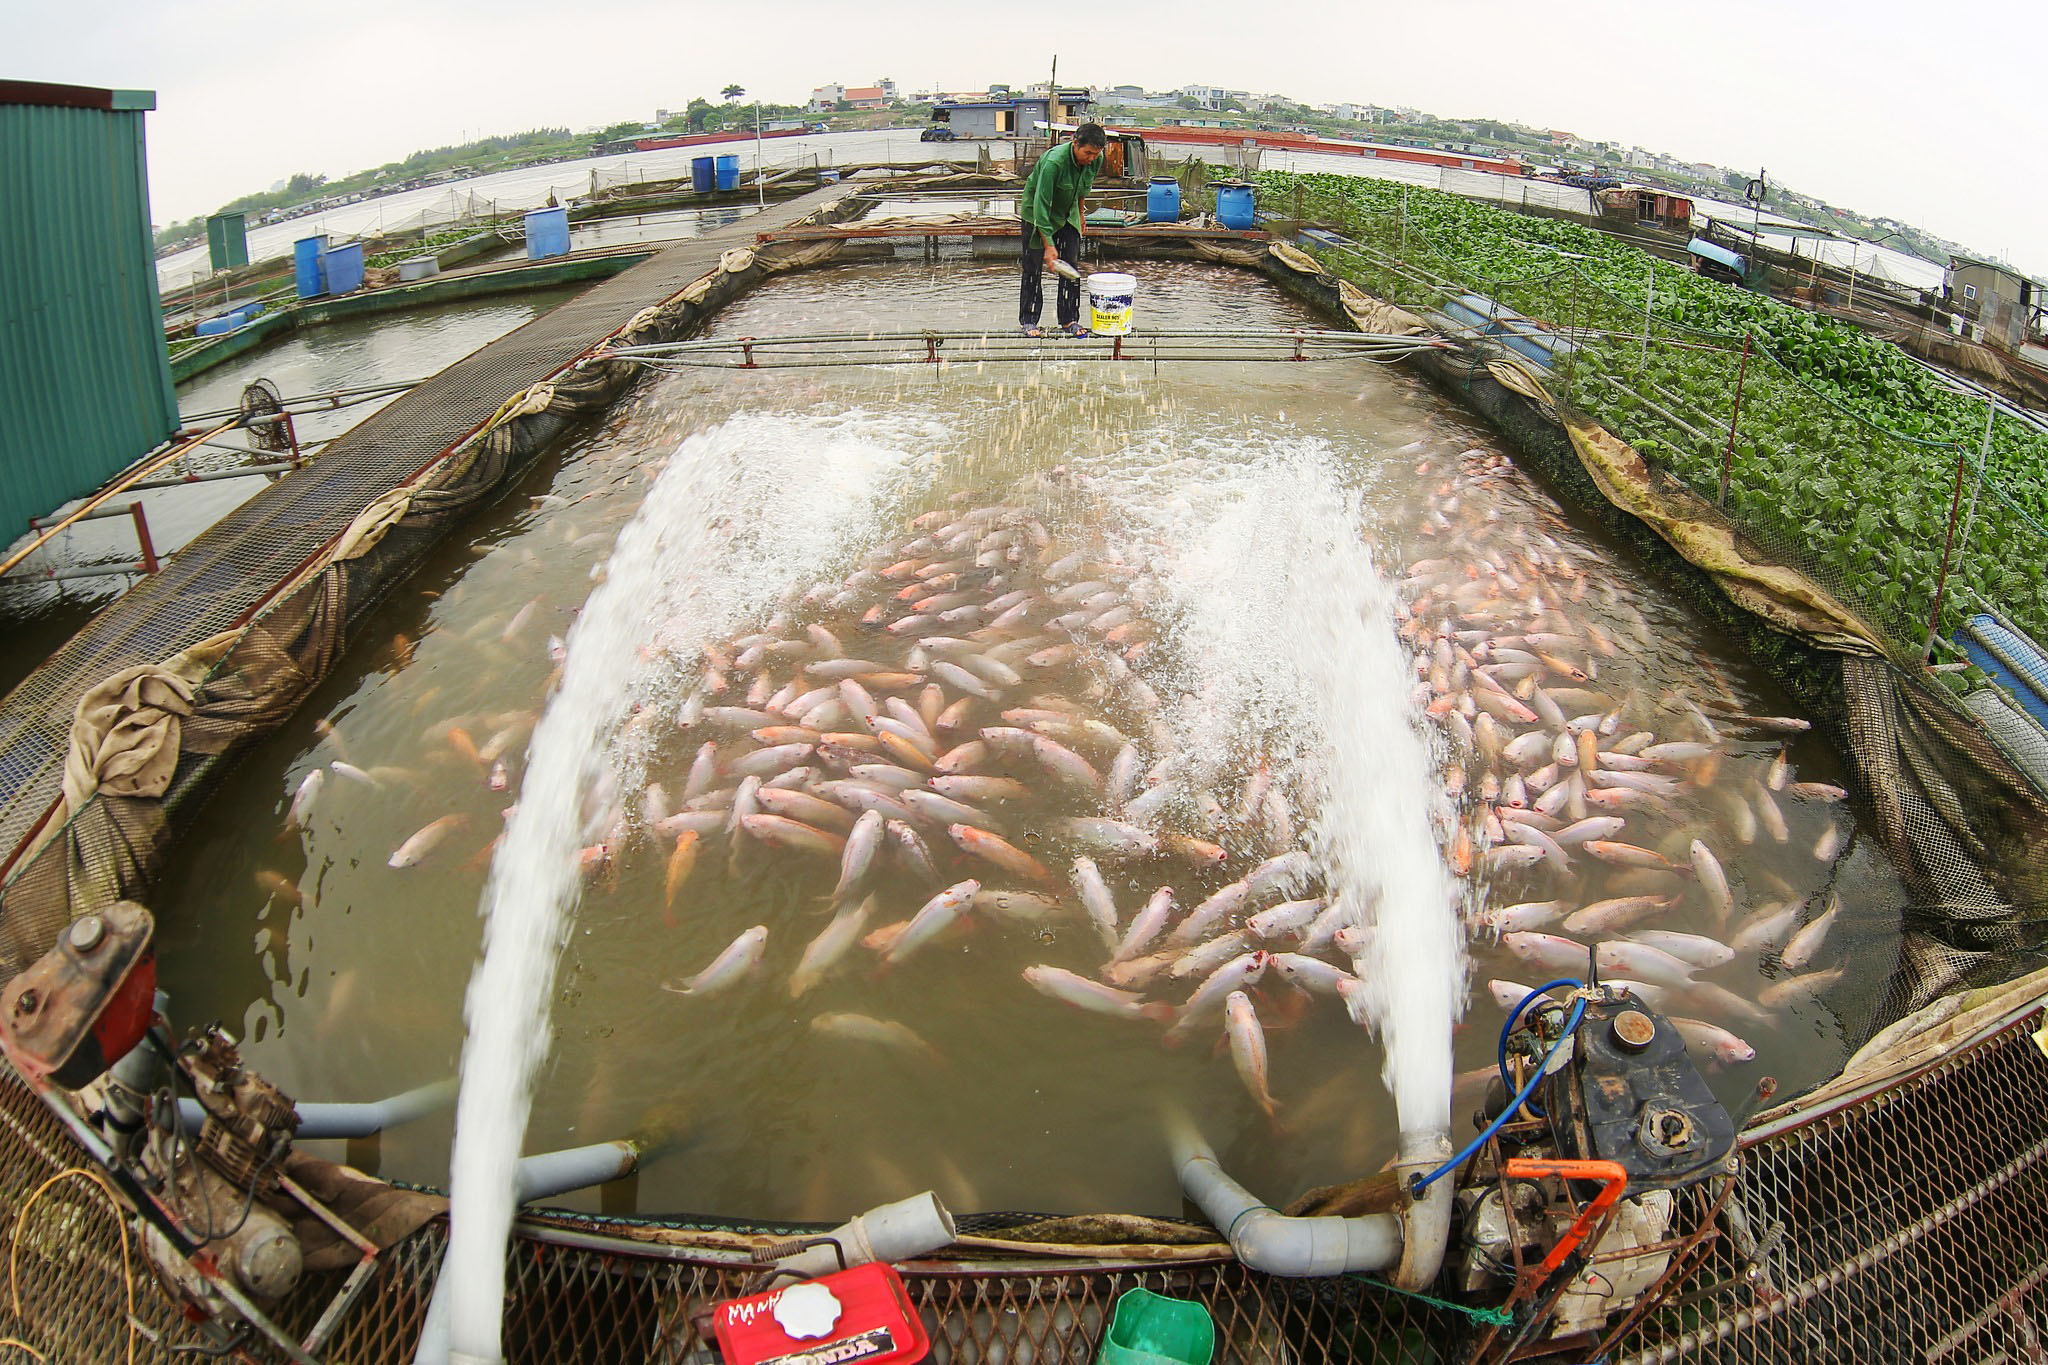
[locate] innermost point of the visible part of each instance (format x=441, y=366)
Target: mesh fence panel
x=1868, y=512
x=1913, y=1226
x=1907, y=1225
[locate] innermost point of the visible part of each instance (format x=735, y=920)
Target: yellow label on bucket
x=1111, y=321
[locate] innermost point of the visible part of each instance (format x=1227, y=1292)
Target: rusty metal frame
x=1009, y=228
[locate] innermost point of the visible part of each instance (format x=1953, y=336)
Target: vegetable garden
x=1847, y=457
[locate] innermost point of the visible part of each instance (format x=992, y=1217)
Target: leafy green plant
x=1845, y=449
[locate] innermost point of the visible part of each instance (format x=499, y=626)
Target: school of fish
x=964, y=731
x=1607, y=824
x=959, y=733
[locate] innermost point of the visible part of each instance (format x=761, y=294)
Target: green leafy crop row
x=1845, y=450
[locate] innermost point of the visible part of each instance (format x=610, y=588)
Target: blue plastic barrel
x=1162, y=201
x=701, y=174
x=728, y=172
x=1234, y=205
x=345, y=268
x=547, y=234
x=308, y=256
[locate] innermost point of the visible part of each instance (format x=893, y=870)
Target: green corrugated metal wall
x=85, y=381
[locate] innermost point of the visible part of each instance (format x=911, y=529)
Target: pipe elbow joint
x=1275, y=1244
x=1426, y=1220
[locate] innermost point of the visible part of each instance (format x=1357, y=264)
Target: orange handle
x=1613, y=1181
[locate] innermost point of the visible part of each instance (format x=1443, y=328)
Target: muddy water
x=1211, y=495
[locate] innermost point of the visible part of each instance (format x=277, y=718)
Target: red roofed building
x=866, y=97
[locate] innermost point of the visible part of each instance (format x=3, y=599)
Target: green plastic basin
x=1151, y=1329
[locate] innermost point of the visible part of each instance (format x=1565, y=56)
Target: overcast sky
x=1929, y=113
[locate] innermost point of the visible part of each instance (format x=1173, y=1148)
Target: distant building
x=1009, y=115
x=1134, y=97
x=1642, y=206
x=1997, y=305
x=1208, y=96
x=826, y=98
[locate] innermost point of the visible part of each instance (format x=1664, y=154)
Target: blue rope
x=1501, y=1056
x=1422, y=1183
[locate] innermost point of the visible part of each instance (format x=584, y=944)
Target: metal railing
x=824, y=350
x=162, y=469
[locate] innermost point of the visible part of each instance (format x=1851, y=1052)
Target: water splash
x=744, y=515
x=1286, y=632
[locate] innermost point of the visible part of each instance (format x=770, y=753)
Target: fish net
x=1823, y=1240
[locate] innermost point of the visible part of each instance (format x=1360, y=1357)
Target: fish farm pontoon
x=1275, y=742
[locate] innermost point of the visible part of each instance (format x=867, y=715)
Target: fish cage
x=1627, y=1194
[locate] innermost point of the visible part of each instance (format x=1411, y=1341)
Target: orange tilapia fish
x=995, y=849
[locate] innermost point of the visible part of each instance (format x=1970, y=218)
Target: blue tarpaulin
x=2012, y=659
x=1720, y=255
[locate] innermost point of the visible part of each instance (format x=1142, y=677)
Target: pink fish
x=1725, y=1046
x=933, y=917
x=1248, y=1049
x=425, y=840
x=731, y=966
x=1080, y=992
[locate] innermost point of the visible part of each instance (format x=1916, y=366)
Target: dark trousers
x=1067, y=305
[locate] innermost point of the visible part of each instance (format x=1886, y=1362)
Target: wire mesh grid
x=74, y=1289
x=575, y=1303
x=1911, y=1224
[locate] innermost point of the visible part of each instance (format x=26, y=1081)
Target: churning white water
x=1287, y=633
x=742, y=514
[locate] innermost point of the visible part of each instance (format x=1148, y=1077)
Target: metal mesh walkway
x=225, y=573
x=1905, y=1225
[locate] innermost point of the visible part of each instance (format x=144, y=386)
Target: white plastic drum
x=1111, y=295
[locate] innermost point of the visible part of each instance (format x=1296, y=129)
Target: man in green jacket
x=1054, y=218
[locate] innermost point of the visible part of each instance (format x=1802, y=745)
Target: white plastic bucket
x=1111, y=295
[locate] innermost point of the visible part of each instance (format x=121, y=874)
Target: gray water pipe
x=1264, y=1239
x=1426, y=1222
x=901, y=1231
x=348, y=1119
x=547, y=1174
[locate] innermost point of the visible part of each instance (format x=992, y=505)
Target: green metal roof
x=85, y=379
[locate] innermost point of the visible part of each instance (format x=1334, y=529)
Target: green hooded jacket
x=1053, y=190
